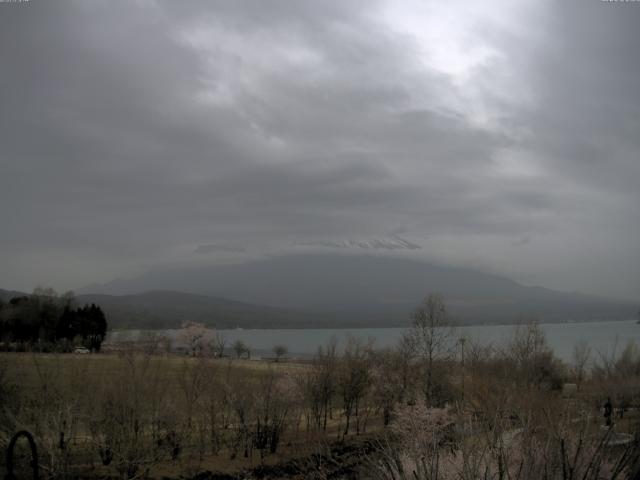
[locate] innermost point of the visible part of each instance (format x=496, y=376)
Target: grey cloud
x=219, y=248
x=521, y=242
x=132, y=131
x=391, y=243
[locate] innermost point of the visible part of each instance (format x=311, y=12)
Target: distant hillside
x=351, y=290
x=168, y=309
x=6, y=295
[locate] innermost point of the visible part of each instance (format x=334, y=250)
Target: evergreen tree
x=45, y=317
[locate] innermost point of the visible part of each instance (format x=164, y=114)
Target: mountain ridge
x=373, y=290
x=157, y=309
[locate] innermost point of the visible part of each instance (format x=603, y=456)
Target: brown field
x=393, y=414
x=64, y=392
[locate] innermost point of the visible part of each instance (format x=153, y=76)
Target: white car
x=81, y=350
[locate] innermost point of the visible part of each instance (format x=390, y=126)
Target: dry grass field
x=515, y=412
x=162, y=415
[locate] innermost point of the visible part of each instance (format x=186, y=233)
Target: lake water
x=603, y=337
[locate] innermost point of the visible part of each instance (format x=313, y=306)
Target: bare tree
x=387, y=381
x=151, y=342
x=273, y=401
x=318, y=385
x=192, y=379
x=280, y=351
x=325, y=364
x=240, y=348
x=532, y=359
x=581, y=356
x=126, y=424
x=528, y=342
x=217, y=345
x=354, y=379
x=405, y=354
x=240, y=398
x=432, y=333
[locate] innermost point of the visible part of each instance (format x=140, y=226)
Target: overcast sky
x=503, y=135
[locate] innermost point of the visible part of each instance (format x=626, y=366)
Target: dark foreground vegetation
x=48, y=322
x=433, y=407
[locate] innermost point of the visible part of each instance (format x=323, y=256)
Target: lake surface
x=603, y=337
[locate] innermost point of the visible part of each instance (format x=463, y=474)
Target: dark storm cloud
x=137, y=133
